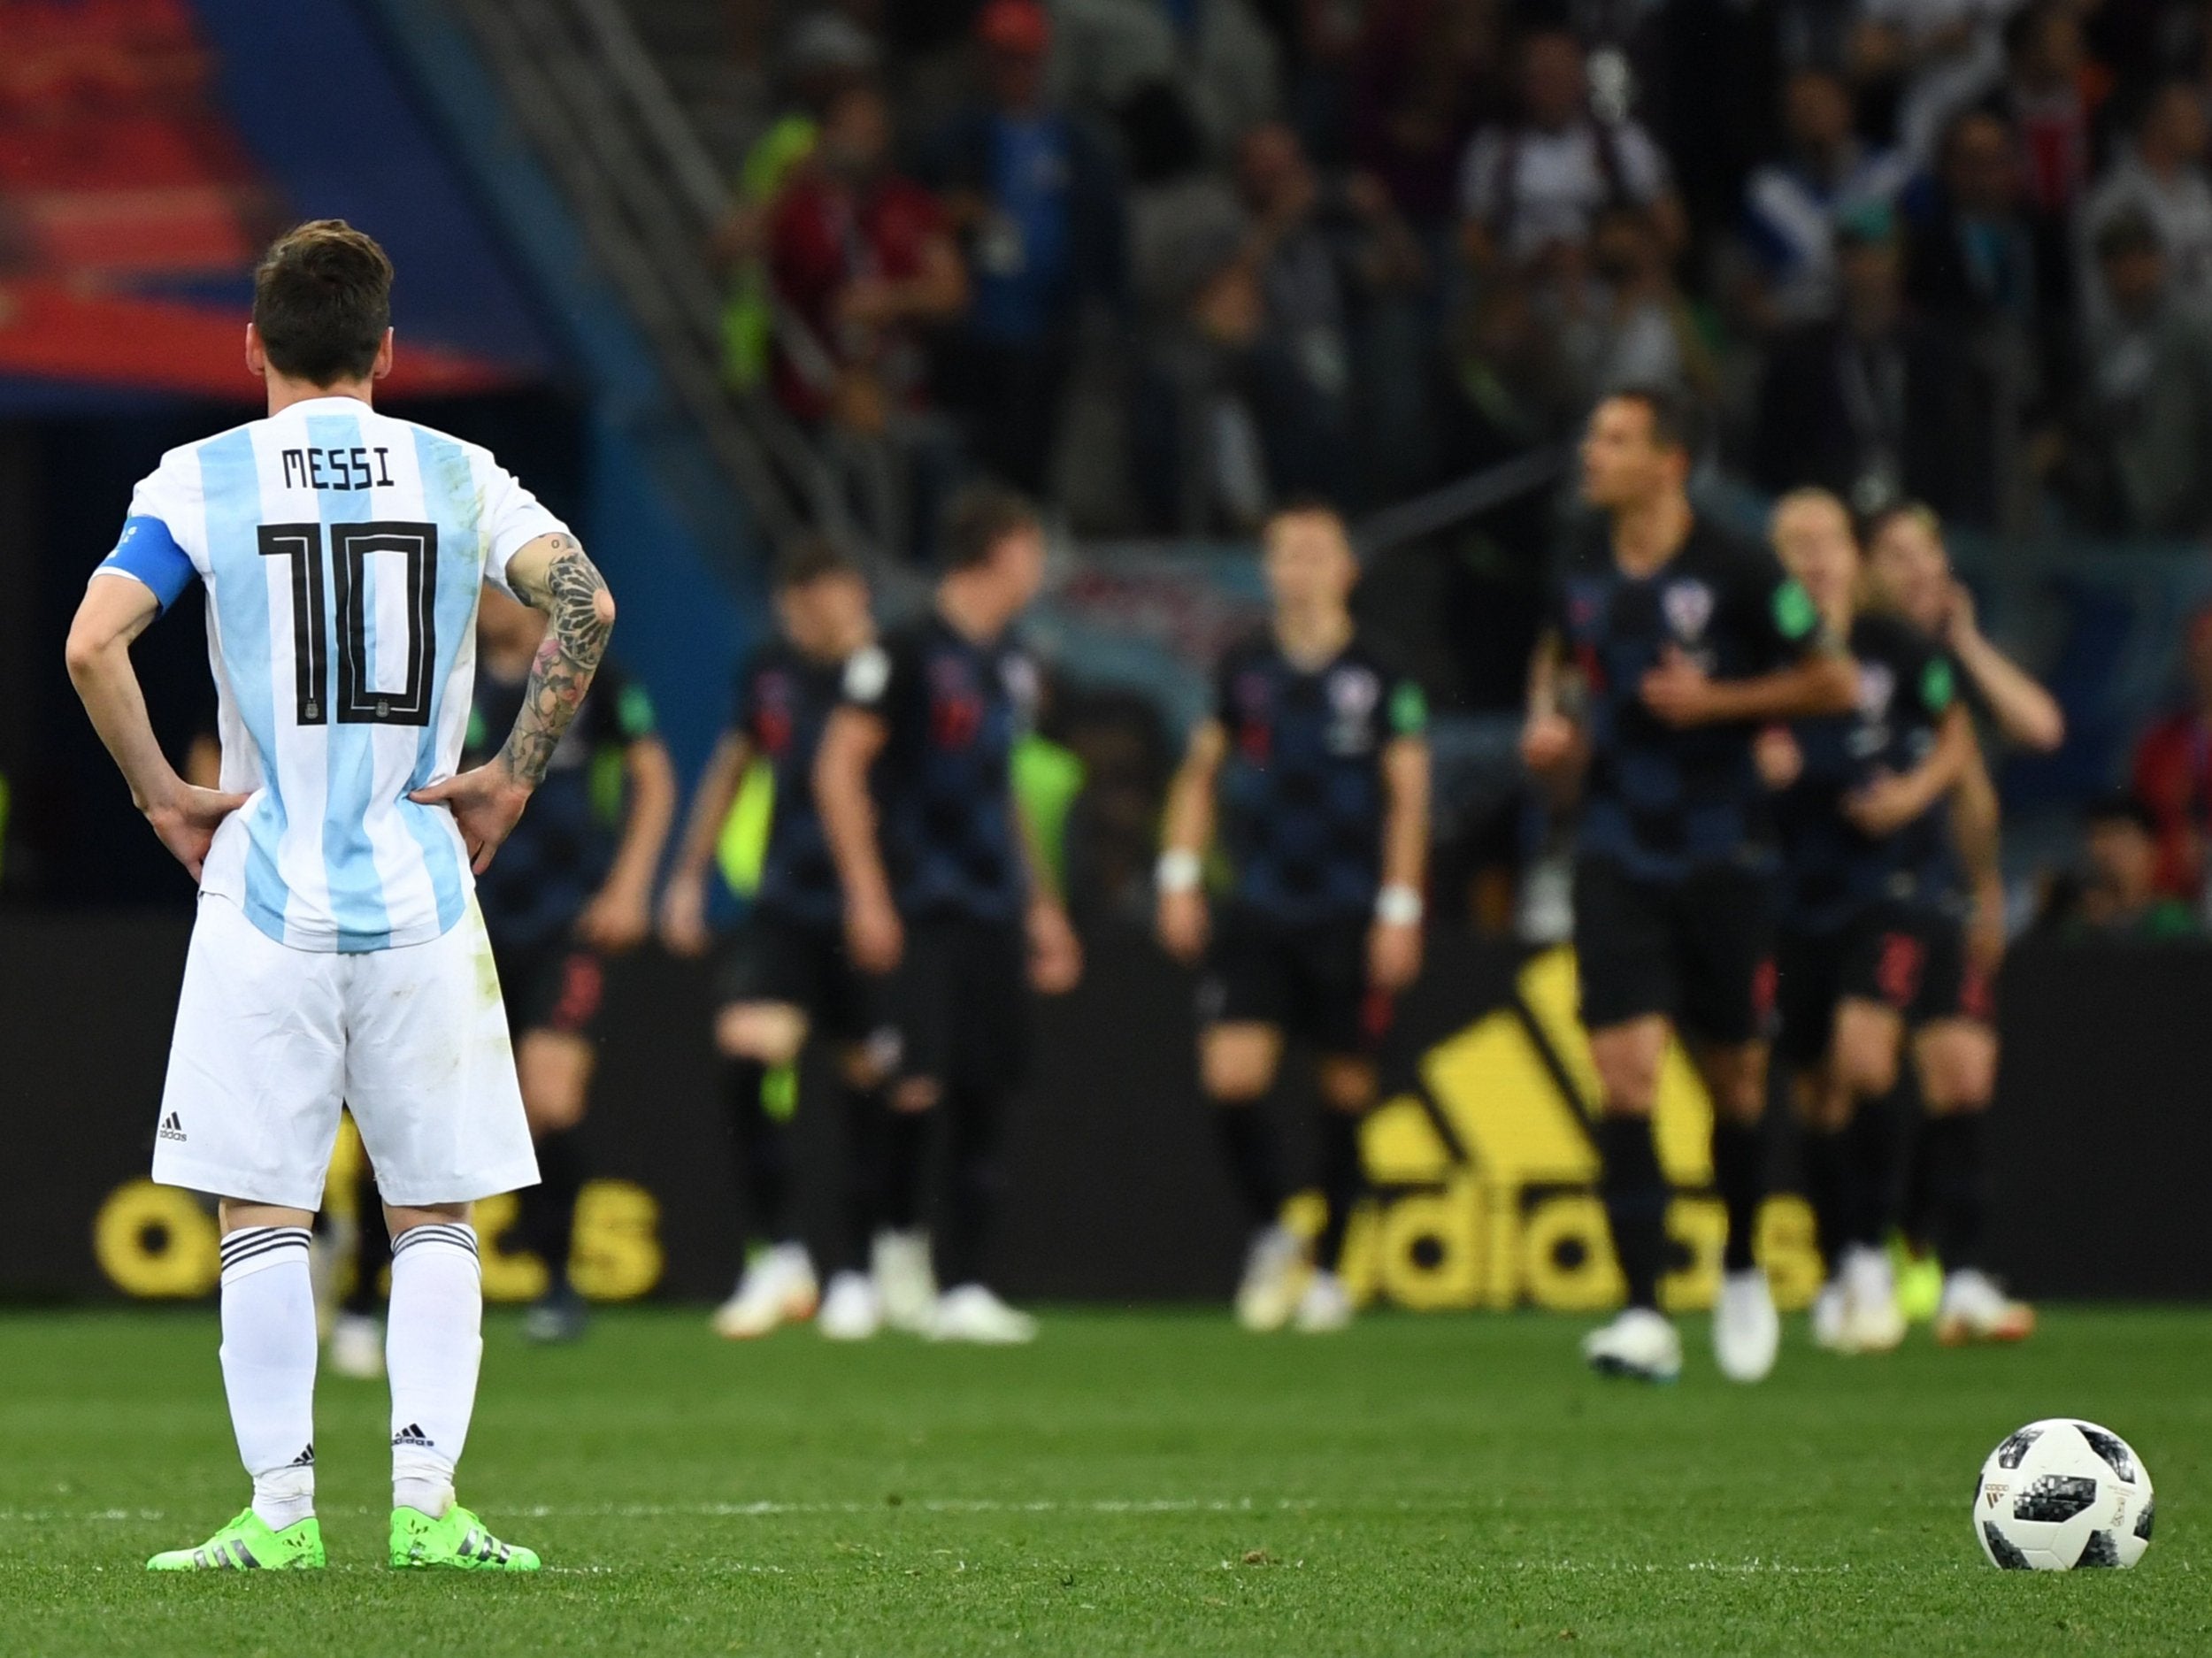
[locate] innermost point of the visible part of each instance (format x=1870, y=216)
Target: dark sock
x=549, y=1209
x=1870, y=1157
x=1953, y=1145
x=758, y=1139
x=972, y=1195
x=1248, y=1146
x=1739, y=1159
x=865, y=1127
x=1343, y=1182
x=1636, y=1196
x=1828, y=1192
x=1918, y=1212
x=372, y=1253
x=905, y=1152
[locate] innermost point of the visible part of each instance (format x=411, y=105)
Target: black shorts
x=959, y=1003
x=770, y=958
x=1910, y=959
x=557, y=986
x=1700, y=950
x=1308, y=981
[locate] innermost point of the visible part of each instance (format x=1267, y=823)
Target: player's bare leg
x=1639, y=1342
x=268, y=1357
x=1237, y=1062
x=434, y=1347
x=760, y=1043
x=1747, y=1333
x=555, y=1069
x=1957, y=1060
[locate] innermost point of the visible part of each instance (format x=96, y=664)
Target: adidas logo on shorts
x=412, y=1434
x=172, y=1127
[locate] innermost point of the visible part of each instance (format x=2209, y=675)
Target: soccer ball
x=2062, y=1494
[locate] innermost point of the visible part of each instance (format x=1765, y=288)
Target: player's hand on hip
x=1182, y=925
x=615, y=923
x=1393, y=955
x=186, y=820
x=683, y=915
x=874, y=935
x=1055, y=954
x=1882, y=806
x=1547, y=741
x=1780, y=761
x=1678, y=691
x=485, y=804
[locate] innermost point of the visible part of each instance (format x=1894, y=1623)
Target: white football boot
x=972, y=1313
x=1872, y=1322
x=778, y=1288
x=850, y=1309
x=1274, y=1272
x=1974, y=1309
x=1827, y=1317
x=1639, y=1343
x=1325, y=1306
x=1746, y=1331
x=357, y=1347
x=906, y=1285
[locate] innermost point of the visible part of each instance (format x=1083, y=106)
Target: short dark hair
x=322, y=300
x=1675, y=424
x=977, y=519
x=811, y=557
x=2120, y=805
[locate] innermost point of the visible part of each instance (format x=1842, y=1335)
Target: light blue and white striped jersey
x=343, y=554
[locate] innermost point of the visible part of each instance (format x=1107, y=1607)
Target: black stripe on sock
x=262, y=1247
x=233, y=1242
x=459, y=1237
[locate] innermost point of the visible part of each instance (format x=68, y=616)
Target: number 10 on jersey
x=409, y=548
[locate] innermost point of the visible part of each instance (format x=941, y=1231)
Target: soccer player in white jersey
x=339, y=954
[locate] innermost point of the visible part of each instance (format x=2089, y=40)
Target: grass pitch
x=1148, y=1483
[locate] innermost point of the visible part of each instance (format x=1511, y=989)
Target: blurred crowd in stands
x=1167, y=261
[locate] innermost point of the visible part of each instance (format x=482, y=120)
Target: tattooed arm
x=550, y=574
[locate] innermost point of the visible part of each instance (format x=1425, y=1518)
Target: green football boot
x=247, y=1544
x=1919, y=1283
x=456, y=1543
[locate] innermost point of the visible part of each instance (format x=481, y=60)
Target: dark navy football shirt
x=954, y=709
x=1661, y=801
x=784, y=699
x=563, y=848
x=1831, y=870
x=1302, y=795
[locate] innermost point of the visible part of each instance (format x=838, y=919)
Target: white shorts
x=271, y=1040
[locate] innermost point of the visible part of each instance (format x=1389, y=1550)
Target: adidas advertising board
x=1479, y=1154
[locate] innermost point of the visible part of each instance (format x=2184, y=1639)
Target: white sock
x=433, y=1344
x=269, y=1366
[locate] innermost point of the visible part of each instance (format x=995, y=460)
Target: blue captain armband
x=148, y=551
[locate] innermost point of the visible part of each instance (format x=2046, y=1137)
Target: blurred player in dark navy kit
x=948, y=894
x=785, y=977
x=1316, y=761
x=1955, y=1054
x=1871, y=943
x=1669, y=643
x=572, y=886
